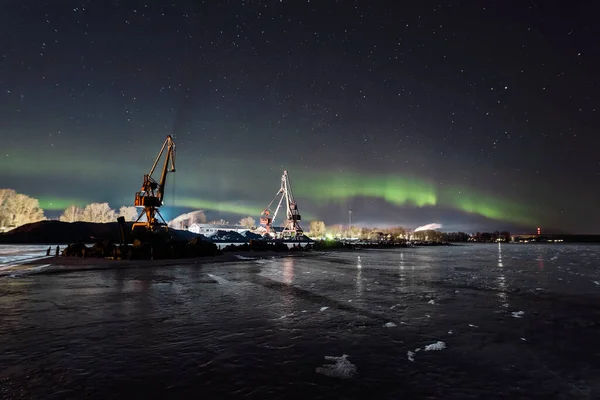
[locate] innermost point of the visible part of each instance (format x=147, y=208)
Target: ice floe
x=411, y=355
x=517, y=314
x=324, y=308
x=435, y=346
x=342, y=368
x=389, y=325
x=431, y=301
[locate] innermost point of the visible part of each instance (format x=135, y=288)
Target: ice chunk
x=523, y=339
x=450, y=332
x=342, y=368
x=435, y=346
x=517, y=314
x=218, y=279
x=431, y=301
x=411, y=355
x=596, y=282
x=389, y=325
x=324, y=308
x=473, y=326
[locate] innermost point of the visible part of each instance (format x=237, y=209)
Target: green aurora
x=394, y=190
x=410, y=191
x=317, y=187
x=233, y=208
x=56, y=204
x=341, y=187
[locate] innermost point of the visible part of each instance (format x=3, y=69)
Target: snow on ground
x=342, y=368
x=435, y=346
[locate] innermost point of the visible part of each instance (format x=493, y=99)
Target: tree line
x=318, y=229
x=18, y=209
x=98, y=212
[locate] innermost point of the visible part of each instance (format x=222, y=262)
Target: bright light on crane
x=151, y=195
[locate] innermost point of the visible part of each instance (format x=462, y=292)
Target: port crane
x=291, y=226
x=151, y=195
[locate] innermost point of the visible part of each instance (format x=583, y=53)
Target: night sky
x=479, y=115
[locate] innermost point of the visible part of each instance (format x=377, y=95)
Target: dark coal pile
x=155, y=250
x=251, y=235
x=58, y=232
x=227, y=236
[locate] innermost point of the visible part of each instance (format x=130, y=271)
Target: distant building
x=208, y=229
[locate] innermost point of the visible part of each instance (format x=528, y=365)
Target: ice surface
x=435, y=346
x=342, y=368
x=517, y=314
x=389, y=325
x=218, y=279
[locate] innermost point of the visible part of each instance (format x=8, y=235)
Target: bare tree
x=198, y=218
x=354, y=232
x=337, y=231
x=130, y=213
x=219, y=222
x=71, y=214
x=5, y=215
x=18, y=209
x=98, y=212
x=247, y=222
x=317, y=228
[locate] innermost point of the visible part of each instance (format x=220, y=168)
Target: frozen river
x=459, y=322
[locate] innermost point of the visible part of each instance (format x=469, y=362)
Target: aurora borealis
x=477, y=116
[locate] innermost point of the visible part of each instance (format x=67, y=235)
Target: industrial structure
x=290, y=227
x=209, y=229
x=151, y=195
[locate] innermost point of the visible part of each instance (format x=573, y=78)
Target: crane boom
x=151, y=195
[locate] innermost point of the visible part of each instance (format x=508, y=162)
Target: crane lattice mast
x=151, y=195
x=291, y=226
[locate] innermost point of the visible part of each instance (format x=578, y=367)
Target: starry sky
x=479, y=115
